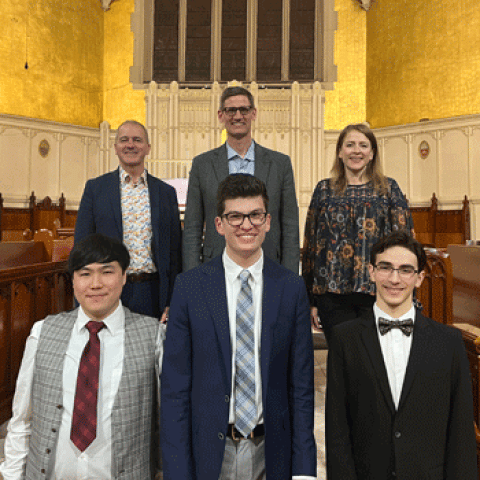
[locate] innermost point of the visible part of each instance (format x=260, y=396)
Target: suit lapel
x=271, y=302
x=214, y=290
x=374, y=351
x=262, y=163
x=220, y=162
x=420, y=338
x=115, y=199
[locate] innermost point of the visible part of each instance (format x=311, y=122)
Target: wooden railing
x=27, y=293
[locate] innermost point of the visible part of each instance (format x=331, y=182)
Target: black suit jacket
x=101, y=212
x=430, y=436
x=208, y=170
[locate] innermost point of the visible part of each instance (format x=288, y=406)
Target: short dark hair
x=240, y=185
x=233, y=92
x=98, y=248
x=400, y=239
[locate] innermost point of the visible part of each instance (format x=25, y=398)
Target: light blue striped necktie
x=245, y=407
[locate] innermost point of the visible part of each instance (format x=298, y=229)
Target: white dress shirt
x=233, y=285
x=395, y=347
x=95, y=462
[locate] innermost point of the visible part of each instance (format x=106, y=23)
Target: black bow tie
x=385, y=325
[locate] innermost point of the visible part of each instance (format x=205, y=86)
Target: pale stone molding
x=106, y=4
x=365, y=4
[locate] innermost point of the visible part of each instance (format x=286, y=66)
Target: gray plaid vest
x=133, y=408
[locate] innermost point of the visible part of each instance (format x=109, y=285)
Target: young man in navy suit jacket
x=399, y=395
x=203, y=437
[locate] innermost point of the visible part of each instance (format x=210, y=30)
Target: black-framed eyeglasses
x=404, y=271
x=231, y=111
x=236, y=219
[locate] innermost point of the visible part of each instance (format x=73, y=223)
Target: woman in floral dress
x=348, y=214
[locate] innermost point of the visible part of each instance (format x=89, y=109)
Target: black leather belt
x=234, y=434
x=142, y=277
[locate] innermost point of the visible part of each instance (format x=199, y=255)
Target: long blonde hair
x=374, y=169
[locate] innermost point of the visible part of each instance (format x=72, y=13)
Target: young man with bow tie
x=399, y=396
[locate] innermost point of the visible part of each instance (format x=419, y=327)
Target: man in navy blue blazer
x=237, y=382
x=142, y=211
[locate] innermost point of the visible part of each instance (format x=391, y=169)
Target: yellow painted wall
x=63, y=42
x=121, y=101
x=346, y=103
x=423, y=60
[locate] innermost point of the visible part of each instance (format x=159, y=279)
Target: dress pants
x=244, y=460
x=142, y=297
x=335, y=308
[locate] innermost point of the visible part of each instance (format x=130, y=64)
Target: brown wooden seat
x=440, y=228
x=435, y=293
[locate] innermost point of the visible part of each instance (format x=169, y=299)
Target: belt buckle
x=237, y=439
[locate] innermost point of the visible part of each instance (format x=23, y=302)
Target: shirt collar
x=233, y=270
x=125, y=177
x=378, y=312
x=250, y=155
x=115, y=322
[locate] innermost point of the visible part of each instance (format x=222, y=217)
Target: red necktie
x=84, y=418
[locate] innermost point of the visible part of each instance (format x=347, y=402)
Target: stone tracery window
x=201, y=41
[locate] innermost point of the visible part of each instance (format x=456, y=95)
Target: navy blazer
x=197, y=375
x=430, y=435
x=101, y=212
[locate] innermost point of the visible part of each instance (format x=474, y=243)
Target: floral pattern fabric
x=340, y=231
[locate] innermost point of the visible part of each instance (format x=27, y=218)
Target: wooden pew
x=440, y=228
x=435, y=293
x=30, y=289
x=466, y=314
x=16, y=223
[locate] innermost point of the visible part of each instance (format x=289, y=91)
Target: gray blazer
x=208, y=170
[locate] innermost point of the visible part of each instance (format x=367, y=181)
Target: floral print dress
x=340, y=231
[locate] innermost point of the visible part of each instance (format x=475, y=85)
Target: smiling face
x=97, y=288
x=131, y=147
x=395, y=293
x=243, y=242
x=356, y=153
x=238, y=126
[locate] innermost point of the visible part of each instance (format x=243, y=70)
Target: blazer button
x=227, y=398
x=221, y=436
x=54, y=430
x=47, y=450
x=398, y=434
x=59, y=407
x=42, y=470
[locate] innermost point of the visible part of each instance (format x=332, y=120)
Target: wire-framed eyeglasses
x=236, y=219
x=231, y=111
x=404, y=271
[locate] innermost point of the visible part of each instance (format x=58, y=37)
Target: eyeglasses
x=385, y=270
x=231, y=111
x=236, y=219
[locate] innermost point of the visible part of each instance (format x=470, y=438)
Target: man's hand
x=164, y=318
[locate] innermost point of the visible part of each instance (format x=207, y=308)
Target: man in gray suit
x=86, y=395
x=240, y=154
